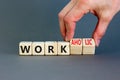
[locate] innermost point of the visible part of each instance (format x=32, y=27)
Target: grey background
x=36, y=20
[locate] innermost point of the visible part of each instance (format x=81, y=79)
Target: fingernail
x=66, y=38
x=98, y=43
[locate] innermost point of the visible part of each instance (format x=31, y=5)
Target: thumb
x=100, y=30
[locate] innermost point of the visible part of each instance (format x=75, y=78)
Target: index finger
x=62, y=14
x=75, y=14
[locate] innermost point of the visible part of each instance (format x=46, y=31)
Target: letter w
x=25, y=49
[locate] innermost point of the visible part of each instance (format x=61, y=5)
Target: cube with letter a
x=88, y=46
x=76, y=46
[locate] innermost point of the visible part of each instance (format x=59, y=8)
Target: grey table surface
x=97, y=67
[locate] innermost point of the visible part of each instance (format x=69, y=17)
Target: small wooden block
x=38, y=48
x=25, y=48
x=50, y=48
x=88, y=46
x=76, y=46
x=63, y=48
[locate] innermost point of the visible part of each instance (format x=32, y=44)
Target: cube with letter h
x=76, y=46
x=88, y=46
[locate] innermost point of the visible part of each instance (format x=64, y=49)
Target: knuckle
x=107, y=17
x=67, y=19
x=100, y=34
x=60, y=15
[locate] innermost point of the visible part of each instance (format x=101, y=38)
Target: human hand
x=104, y=10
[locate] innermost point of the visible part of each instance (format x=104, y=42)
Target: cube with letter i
x=25, y=48
x=63, y=48
x=50, y=48
x=88, y=46
x=76, y=46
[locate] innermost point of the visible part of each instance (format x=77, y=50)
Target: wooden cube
x=76, y=46
x=50, y=48
x=63, y=48
x=88, y=46
x=25, y=48
x=38, y=48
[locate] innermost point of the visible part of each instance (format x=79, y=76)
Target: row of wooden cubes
x=76, y=46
